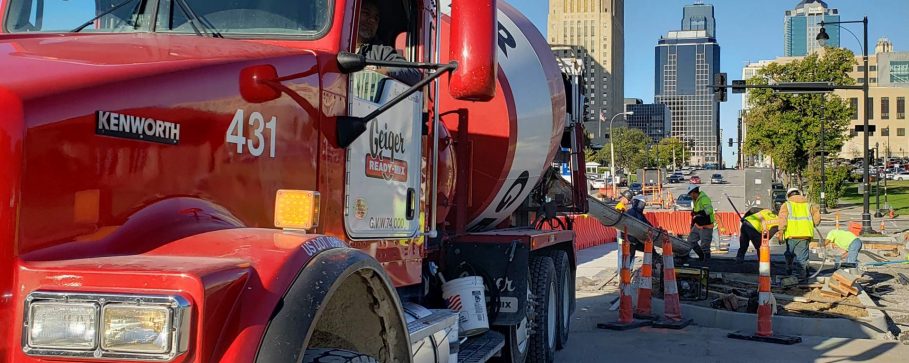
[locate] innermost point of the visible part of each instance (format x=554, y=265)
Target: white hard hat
x=639, y=197
x=792, y=190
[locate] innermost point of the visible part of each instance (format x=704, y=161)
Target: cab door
x=384, y=164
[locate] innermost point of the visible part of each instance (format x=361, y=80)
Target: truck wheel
x=329, y=355
x=565, y=293
x=543, y=281
x=516, y=343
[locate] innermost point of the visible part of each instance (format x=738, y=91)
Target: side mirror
x=351, y=62
x=472, y=44
x=254, y=83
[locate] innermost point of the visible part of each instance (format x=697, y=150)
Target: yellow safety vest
x=766, y=216
x=799, y=223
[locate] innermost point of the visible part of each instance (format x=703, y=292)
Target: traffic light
x=719, y=87
x=730, y=142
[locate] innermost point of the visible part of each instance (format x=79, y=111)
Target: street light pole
x=612, y=151
x=823, y=162
x=866, y=202
x=877, y=192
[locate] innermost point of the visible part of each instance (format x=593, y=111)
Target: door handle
x=411, y=203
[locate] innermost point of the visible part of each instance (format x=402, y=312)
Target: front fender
x=309, y=300
x=234, y=278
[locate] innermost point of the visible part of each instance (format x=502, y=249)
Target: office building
x=652, y=118
x=801, y=27
x=699, y=16
x=597, y=28
x=686, y=62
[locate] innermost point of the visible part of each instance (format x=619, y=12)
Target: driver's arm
x=409, y=76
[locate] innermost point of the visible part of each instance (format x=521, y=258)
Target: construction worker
x=638, y=203
x=624, y=200
x=798, y=219
x=846, y=241
x=754, y=223
x=702, y=221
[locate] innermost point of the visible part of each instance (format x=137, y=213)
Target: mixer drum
x=513, y=137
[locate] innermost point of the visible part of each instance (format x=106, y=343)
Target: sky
x=747, y=31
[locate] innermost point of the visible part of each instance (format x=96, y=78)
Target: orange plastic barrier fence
x=589, y=232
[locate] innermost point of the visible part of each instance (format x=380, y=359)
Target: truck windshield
x=307, y=18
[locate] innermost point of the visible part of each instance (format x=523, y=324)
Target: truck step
x=481, y=348
x=428, y=325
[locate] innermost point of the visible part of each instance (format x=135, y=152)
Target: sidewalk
x=703, y=345
x=700, y=344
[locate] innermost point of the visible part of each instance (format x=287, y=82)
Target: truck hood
x=33, y=66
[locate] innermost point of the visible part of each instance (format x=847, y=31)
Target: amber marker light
x=296, y=209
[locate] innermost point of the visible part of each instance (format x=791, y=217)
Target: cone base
x=671, y=324
x=776, y=339
x=646, y=316
x=615, y=325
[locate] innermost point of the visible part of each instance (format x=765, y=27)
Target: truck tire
x=329, y=355
x=544, y=288
x=565, y=293
x=516, y=343
x=517, y=338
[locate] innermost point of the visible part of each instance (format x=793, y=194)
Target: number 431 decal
x=256, y=143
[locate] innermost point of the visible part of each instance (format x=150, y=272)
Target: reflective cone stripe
x=765, y=310
x=672, y=307
x=645, y=290
x=626, y=315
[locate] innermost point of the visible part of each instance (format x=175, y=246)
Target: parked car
x=695, y=180
x=683, y=202
x=636, y=188
x=598, y=183
x=717, y=179
x=903, y=175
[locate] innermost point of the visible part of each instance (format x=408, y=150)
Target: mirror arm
x=405, y=64
x=349, y=128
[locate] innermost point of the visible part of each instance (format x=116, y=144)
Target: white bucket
x=465, y=295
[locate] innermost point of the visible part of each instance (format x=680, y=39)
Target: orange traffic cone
x=765, y=311
x=644, y=309
x=626, y=316
x=672, y=309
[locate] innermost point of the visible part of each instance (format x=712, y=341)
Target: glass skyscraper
x=686, y=62
x=801, y=27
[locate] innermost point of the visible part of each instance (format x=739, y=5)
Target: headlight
x=135, y=327
x=63, y=326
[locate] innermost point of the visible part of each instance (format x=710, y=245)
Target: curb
x=874, y=326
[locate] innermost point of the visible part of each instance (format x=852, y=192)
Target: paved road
x=734, y=187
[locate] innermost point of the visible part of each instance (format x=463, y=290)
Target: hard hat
x=693, y=188
x=639, y=197
x=791, y=191
x=627, y=194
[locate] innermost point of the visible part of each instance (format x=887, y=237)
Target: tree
x=631, y=146
x=663, y=152
x=834, y=186
x=787, y=126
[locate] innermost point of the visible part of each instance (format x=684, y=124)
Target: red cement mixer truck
x=232, y=181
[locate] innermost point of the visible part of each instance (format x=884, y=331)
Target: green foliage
x=787, y=126
x=834, y=186
x=631, y=146
x=662, y=152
